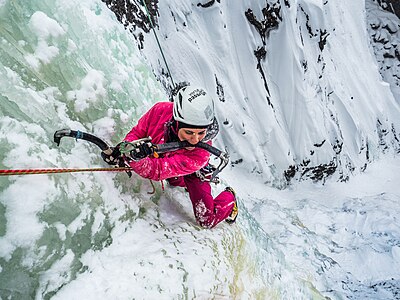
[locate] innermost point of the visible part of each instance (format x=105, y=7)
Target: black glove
x=116, y=159
x=141, y=150
x=113, y=159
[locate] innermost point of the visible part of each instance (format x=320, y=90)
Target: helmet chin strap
x=173, y=125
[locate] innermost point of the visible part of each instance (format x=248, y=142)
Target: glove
x=113, y=159
x=141, y=150
x=116, y=159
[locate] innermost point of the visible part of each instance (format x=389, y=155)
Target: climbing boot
x=235, y=211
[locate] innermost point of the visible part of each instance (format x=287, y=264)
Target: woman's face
x=192, y=135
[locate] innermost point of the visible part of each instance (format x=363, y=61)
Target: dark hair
x=184, y=125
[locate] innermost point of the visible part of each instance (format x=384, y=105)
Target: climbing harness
x=206, y=174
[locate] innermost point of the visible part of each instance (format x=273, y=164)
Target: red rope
x=53, y=171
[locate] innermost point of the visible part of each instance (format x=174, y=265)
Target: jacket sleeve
x=140, y=130
x=181, y=163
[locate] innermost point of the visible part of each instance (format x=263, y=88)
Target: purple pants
x=207, y=210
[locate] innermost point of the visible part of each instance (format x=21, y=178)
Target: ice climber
x=190, y=117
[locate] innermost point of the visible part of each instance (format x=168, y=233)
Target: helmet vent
x=180, y=100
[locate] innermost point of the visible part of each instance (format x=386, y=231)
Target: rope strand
x=53, y=171
x=158, y=42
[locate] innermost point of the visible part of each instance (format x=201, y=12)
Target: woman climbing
x=190, y=117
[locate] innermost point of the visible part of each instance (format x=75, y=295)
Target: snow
x=102, y=236
x=22, y=217
x=92, y=90
x=45, y=28
x=353, y=222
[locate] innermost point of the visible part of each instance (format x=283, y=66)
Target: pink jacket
x=172, y=164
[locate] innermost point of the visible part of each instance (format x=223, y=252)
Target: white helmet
x=193, y=106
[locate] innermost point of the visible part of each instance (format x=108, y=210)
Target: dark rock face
x=271, y=18
x=392, y=6
x=384, y=31
x=132, y=14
